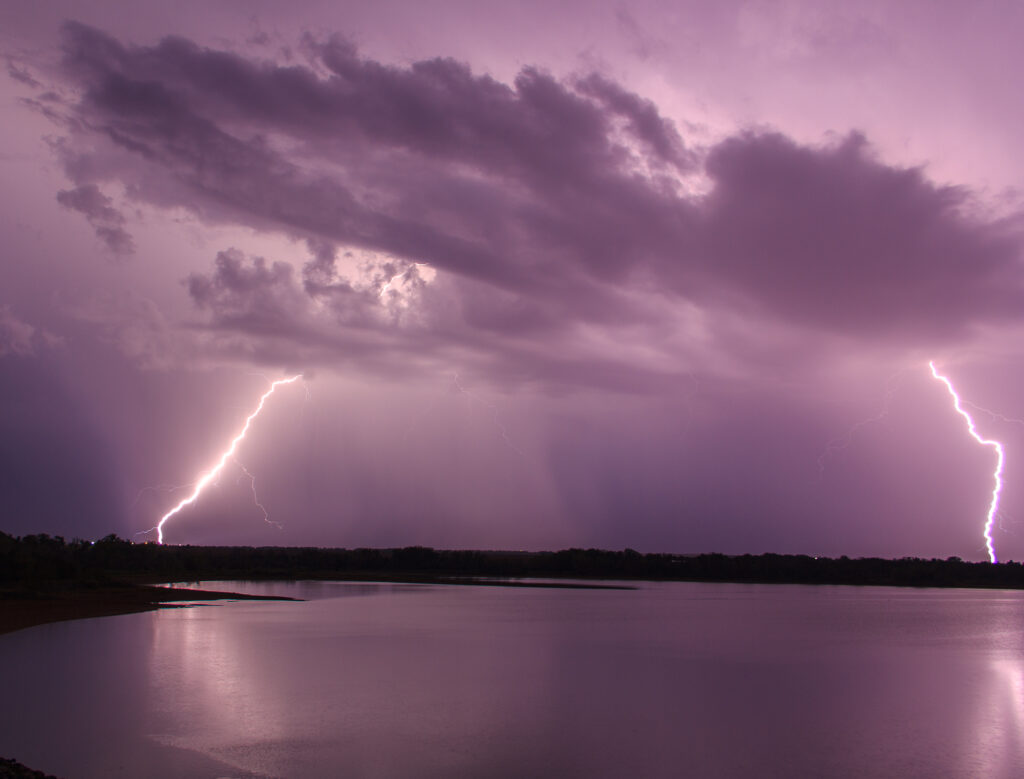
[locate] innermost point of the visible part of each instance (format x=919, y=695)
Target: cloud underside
x=573, y=230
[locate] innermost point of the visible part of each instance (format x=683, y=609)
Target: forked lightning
x=228, y=454
x=997, y=475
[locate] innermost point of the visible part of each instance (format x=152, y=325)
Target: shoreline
x=24, y=609
x=24, y=606
x=20, y=609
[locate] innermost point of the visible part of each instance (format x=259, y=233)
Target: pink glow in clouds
x=997, y=475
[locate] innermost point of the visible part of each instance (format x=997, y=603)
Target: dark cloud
x=831, y=237
x=548, y=208
x=322, y=318
x=644, y=121
x=106, y=220
x=249, y=295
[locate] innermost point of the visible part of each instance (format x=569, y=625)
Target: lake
x=667, y=680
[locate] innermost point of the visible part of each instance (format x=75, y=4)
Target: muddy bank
x=20, y=608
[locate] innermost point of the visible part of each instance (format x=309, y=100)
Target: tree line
x=42, y=558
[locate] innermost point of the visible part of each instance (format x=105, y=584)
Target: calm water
x=678, y=679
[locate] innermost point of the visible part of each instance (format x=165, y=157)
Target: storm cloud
x=546, y=206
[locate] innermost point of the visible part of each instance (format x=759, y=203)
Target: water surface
x=387, y=680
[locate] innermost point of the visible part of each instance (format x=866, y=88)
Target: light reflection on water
x=395, y=680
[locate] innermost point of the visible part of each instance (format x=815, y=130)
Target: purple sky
x=656, y=275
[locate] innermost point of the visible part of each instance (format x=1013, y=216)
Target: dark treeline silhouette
x=12, y=769
x=35, y=559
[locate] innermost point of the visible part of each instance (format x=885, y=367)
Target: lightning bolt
x=843, y=441
x=494, y=414
x=255, y=496
x=211, y=475
x=997, y=475
x=994, y=414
